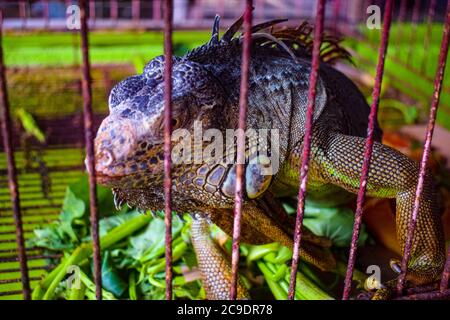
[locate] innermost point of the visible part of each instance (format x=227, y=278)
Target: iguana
x=129, y=148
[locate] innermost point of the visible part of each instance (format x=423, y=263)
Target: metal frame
x=426, y=292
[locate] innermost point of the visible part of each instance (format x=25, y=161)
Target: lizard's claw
x=383, y=291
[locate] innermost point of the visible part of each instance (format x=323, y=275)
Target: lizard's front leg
x=214, y=265
x=339, y=159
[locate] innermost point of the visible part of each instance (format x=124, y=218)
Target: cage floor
x=38, y=209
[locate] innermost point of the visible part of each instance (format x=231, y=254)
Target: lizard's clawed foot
x=414, y=278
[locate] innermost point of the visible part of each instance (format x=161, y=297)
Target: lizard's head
x=129, y=142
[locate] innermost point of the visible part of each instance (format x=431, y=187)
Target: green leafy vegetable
x=30, y=125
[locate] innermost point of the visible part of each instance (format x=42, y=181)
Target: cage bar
x=413, y=34
x=426, y=42
x=368, y=147
x=46, y=13
x=168, y=17
x=240, y=169
x=401, y=20
x=135, y=10
x=318, y=35
x=114, y=10
x=23, y=13
x=425, y=156
x=90, y=155
x=156, y=7
x=12, y=171
x=336, y=14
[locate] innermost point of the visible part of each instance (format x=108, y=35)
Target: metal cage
x=162, y=17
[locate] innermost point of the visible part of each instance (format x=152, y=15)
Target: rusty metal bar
x=135, y=10
x=426, y=41
x=368, y=146
x=114, y=10
x=401, y=20
x=221, y=8
x=168, y=17
x=89, y=140
x=12, y=173
x=433, y=295
x=240, y=166
x=15, y=280
x=260, y=7
x=413, y=33
x=156, y=9
x=23, y=13
x=423, y=163
x=10, y=270
x=318, y=35
x=336, y=14
x=46, y=14
x=92, y=13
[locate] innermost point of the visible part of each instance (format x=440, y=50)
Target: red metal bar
x=135, y=9
x=240, y=169
x=221, y=8
x=92, y=12
x=413, y=33
x=23, y=12
x=426, y=41
x=260, y=7
x=46, y=14
x=336, y=13
x=401, y=20
x=433, y=295
x=12, y=173
x=318, y=35
x=423, y=163
x=297, y=8
x=156, y=9
x=168, y=17
x=368, y=147
x=114, y=10
x=89, y=141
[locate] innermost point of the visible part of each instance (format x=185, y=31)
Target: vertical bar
x=336, y=13
x=198, y=12
x=318, y=35
x=12, y=173
x=135, y=9
x=221, y=8
x=156, y=9
x=168, y=17
x=46, y=14
x=243, y=101
x=297, y=9
x=426, y=42
x=89, y=141
x=425, y=155
x=260, y=9
x=23, y=12
x=114, y=10
x=401, y=20
x=92, y=12
x=415, y=21
x=368, y=147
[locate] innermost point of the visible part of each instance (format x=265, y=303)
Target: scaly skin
x=213, y=263
x=129, y=150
